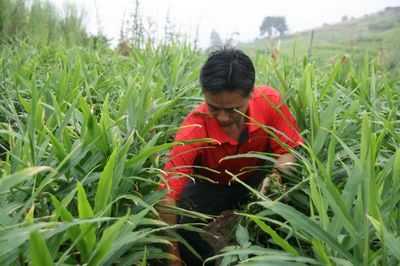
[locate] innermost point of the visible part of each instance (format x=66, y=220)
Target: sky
x=224, y=16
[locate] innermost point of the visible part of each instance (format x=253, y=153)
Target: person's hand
x=175, y=251
x=272, y=184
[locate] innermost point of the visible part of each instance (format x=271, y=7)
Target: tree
x=270, y=24
x=280, y=25
x=267, y=26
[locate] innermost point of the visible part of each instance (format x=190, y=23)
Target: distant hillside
x=377, y=33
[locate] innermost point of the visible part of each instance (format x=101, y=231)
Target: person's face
x=222, y=107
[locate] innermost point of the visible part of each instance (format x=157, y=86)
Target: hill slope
x=377, y=33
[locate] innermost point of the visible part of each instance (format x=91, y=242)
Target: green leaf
x=104, y=187
x=106, y=241
x=138, y=160
x=29, y=216
x=301, y=222
x=391, y=242
x=242, y=236
x=58, y=146
x=396, y=171
x=74, y=232
x=321, y=252
x=85, y=211
x=275, y=237
x=327, y=118
x=144, y=260
x=10, y=181
x=39, y=253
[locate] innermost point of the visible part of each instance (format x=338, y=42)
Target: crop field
x=84, y=134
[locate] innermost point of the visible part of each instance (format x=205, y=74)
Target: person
x=238, y=118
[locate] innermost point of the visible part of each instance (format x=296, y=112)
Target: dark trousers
x=212, y=199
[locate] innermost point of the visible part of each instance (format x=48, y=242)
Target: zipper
x=243, y=137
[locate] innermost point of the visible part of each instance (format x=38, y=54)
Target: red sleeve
x=182, y=157
x=284, y=126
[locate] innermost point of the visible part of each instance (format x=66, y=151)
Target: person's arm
x=285, y=136
x=170, y=218
x=285, y=163
x=178, y=167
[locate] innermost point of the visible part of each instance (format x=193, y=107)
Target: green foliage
x=84, y=133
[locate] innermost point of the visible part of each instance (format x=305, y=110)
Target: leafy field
x=84, y=133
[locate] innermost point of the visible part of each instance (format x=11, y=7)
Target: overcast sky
x=226, y=16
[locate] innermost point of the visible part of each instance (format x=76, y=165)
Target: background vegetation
x=376, y=34
x=40, y=23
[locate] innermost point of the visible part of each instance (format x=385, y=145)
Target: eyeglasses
x=230, y=111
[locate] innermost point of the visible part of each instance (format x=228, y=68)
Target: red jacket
x=267, y=112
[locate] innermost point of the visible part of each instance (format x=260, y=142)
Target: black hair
x=228, y=69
